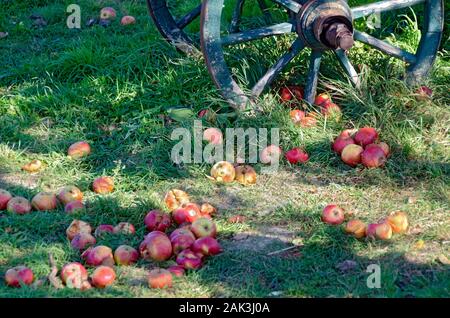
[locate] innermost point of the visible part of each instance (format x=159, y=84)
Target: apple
x=207, y=209
x=102, y=229
x=124, y=228
x=213, y=136
x=423, y=93
x=373, y=157
x=79, y=149
x=74, y=275
x=82, y=240
x=331, y=110
x=356, y=227
x=176, y=270
x=207, y=246
x=383, y=231
x=175, y=198
x=296, y=155
x=340, y=143
x=351, y=154
x=187, y=213
x=74, y=207
x=347, y=133
x=125, y=255
x=103, y=185
x=103, y=276
x=297, y=115
x=159, y=278
x=398, y=221
x=127, y=20
x=285, y=94
x=332, y=214
x=44, y=201
x=270, y=154
x=108, y=13
x=382, y=145
x=18, y=276
x=158, y=247
x=322, y=99
x=204, y=227
x=189, y=259
x=77, y=226
x=181, y=242
x=157, y=220
x=5, y=196
x=365, y=136
x=297, y=91
x=98, y=255
x=371, y=230
x=202, y=113
x=223, y=171
x=69, y=194
x=181, y=231
x=245, y=175
x=33, y=166
x=18, y=205
x=308, y=121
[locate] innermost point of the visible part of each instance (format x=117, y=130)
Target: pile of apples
x=396, y=222
x=361, y=147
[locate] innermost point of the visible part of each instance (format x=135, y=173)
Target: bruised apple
x=181, y=242
x=157, y=220
x=245, y=175
x=5, y=196
x=157, y=247
x=384, y=146
x=351, y=154
x=74, y=207
x=175, y=198
x=74, y=275
x=82, y=240
x=18, y=205
x=207, y=209
x=102, y=229
x=207, y=245
x=383, y=231
x=223, y=171
x=189, y=259
x=176, y=270
x=103, y=185
x=181, y=231
x=124, y=228
x=69, y=194
x=126, y=255
x=373, y=157
x=77, y=226
x=44, y=201
x=103, y=276
x=98, y=255
x=33, y=166
x=159, y=278
x=127, y=20
x=79, y=149
x=356, y=227
x=332, y=214
x=297, y=115
x=398, y=221
x=18, y=276
x=366, y=136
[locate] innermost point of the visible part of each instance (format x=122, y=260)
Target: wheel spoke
x=188, y=18
x=236, y=18
x=313, y=75
x=381, y=6
x=385, y=47
x=348, y=67
x=290, y=4
x=251, y=35
x=273, y=72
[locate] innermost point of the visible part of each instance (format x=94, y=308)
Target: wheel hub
x=326, y=24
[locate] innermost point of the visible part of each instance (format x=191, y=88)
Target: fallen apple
x=423, y=93
x=5, y=196
x=347, y=133
x=181, y=242
x=373, y=157
x=103, y=276
x=245, y=175
x=176, y=270
x=33, y=166
x=322, y=99
x=98, y=255
x=182, y=231
x=102, y=229
x=187, y=213
x=331, y=110
x=356, y=227
x=207, y=245
x=204, y=227
x=213, y=136
x=76, y=227
x=82, y=240
x=18, y=276
x=270, y=154
x=44, y=201
x=74, y=207
x=74, y=275
x=398, y=221
x=79, y=149
x=285, y=94
x=384, y=146
x=340, y=143
x=124, y=228
x=332, y=214
x=296, y=116
x=365, y=136
x=127, y=20
x=207, y=209
x=371, y=230
x=18, y=205
x=157, y=220
x=351, y=154
x=108, y=13
x=383, y=231
x=103, y=185
x=223, y=171
x=157, y=247
x=69, y=194
x=159, y=278
x=189, y=259
x=125, y=255
x=308, y=121
x=296, y=155
x=202, y=113
x=175, y=198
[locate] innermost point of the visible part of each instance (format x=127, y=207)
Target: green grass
x=110, y=87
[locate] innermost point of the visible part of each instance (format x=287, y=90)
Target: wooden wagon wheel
x=320, y=25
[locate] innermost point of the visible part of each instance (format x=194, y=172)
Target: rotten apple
x=333, y=214
x=189, y=259
x=175, y=198
x=245, y=175
x=398, y=221
x=82, y=240
x=159, y=278
x=103, y=228
x=79, y=149
x=69, y=194
x=44, y=201
x=124, y=228
x=5, y=196
x=157, y=220
x=77, y=226
x=356, y=227
x=74, y=275
x=98, y=255
x=18, y=205
x=103, y=185
x=127, y=20
x=74, y=207
x=223, y=171
x=125, y=255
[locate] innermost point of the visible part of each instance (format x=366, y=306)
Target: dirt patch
x=18, y=180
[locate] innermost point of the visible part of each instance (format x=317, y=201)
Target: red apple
x=373, y=157
x=175, y=198
x=108, y=13
x=78, y=226
x=356, y=227
x=202, y=113
x=79, y=149
x=158, y=247
x=245, y=175
x=18, y=276
x=285, y=94
x=383, y=231
x=189, y=259
x=187, y=213
x=296, y=155
x=296, y=91
x=270, y=154
x=207, y=246
x=223, y=171
x=176, y=270
x=308, y=121
x=181, y=242
x=398, y=221
x=371, y=230
x=382, y=145
x=332, y=214
x=340, y=143
x=159, y=278
x=204, y=227
x=18, y=205
x=157, y=220
x=127, y=20
x=347, y=133
x=103, y=276
x=296, y=116
x=322, y=99
x=213, y=136
x=181, y=231
x=74, y=275
x=33, y=166
x=103, y=185
x=74, y=207
x=424, y=93
x=5, y=196
x=207, y=209
x=126, y=255
x=44, y=201
x=99, y=255
x=124, y=228
x=365, y=136
x=103, y=228
x=69, y=194
x=82, y=240
x=351, y=154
